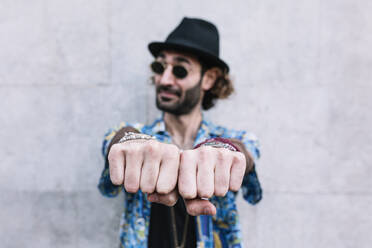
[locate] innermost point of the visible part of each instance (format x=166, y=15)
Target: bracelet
x=135, y=136
x=219, y=143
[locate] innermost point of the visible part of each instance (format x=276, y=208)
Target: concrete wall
x=71, y=69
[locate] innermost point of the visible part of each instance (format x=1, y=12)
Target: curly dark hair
x=222, y=87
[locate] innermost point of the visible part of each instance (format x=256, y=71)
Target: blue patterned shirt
x=221, y=230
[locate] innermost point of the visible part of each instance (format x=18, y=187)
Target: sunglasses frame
x=175, y=69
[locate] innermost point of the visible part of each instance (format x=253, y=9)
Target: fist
x=208, y=171
x=148, y=165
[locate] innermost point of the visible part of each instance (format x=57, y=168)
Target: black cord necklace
x=174, y=229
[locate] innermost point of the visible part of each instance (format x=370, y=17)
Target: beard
x=183, y=105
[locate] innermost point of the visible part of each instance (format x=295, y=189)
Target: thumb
x=169, y=199
x=197, y=207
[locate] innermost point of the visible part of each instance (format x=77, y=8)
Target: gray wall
x=71, y=69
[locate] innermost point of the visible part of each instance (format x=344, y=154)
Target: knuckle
x=171, y=151
x=115, y=179
x=147, y=147
x=221, y=154
x=187, y=194
x=175, y=150
x=192, y=209
x=163, y=189
x=235, y=187
x=151, y=147
x=114, y=148
x=172, y=148
x=147, y=189
x=187, y=154
x=240, y=158
x=131, y=188
x=222, y=161
x=170, y=200
x=224, y=153
x=205, y=193
x=114, y=151
x=220, y=191
x=204, y=152
x=132, y=149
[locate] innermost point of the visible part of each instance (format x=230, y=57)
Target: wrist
x=119, y=134
x=233, y=145
x=129, y=136
x=219, y=142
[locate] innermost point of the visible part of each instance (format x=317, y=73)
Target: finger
x=169, y=199
x=150, y=168
x=205, y=171
x=197, y=207
x=187, y=175
x=168, y=173
x=222, y=172
x=237, y=171
x=133, y=165
x=116, y=160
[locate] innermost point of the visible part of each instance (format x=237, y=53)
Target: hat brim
x=156, y=47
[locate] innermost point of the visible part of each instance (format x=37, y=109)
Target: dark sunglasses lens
x=179, y=71
x=157, y=67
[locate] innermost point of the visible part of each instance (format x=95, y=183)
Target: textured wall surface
x=303, y=72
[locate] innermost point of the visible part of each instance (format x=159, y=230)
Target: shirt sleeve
x=105, y=186
x=251, y=187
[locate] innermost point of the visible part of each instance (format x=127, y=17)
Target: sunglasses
x=178, y=71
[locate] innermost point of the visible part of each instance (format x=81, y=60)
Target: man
x=180, y=174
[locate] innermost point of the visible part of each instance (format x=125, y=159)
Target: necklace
x=174, y=229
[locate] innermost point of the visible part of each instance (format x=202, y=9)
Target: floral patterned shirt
x=221, y=230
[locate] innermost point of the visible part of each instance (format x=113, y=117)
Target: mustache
x=168, y=89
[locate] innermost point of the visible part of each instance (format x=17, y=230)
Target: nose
x=167, y=78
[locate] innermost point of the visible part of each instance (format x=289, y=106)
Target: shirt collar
x=206, y=130
x=158, y=126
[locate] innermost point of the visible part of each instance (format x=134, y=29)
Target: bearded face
x=178, y=79
x=177, y=101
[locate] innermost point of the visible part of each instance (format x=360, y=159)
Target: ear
x=210, y=77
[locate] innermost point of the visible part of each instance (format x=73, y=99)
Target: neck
x=183, y=128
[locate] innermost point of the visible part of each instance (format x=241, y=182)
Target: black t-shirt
x=161, y=232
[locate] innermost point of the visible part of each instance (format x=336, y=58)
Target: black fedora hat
x=196, y=36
